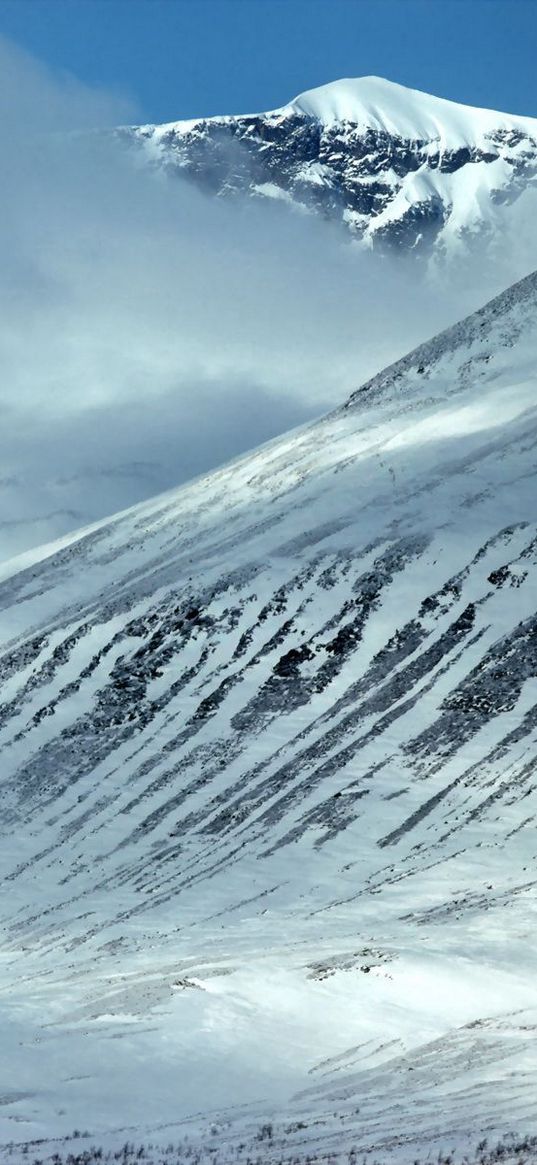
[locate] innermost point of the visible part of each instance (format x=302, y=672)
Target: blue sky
x=181, y=58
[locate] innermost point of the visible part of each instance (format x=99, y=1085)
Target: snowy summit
x=386, y=107
x=401, y=169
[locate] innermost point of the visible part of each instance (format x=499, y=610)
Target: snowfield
x=268, y=798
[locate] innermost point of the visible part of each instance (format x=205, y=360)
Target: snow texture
x=268, y=784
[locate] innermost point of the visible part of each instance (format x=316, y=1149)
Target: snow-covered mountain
x=166, y=307
x=268, y=783
x=396, y=165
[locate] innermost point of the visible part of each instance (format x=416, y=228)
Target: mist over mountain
x=150, y=330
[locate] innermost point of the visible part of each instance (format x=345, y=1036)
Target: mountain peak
x=399, y=168
x=385, y=105
x=354, y=99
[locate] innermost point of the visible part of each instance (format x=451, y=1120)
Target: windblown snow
x=268, y=784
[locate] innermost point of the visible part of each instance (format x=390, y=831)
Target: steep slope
x=268, y=800
x=399, y=167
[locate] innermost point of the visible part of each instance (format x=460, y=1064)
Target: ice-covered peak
x=386, y=106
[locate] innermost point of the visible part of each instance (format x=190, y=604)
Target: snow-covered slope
x=268, y=797
x=398, y=166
